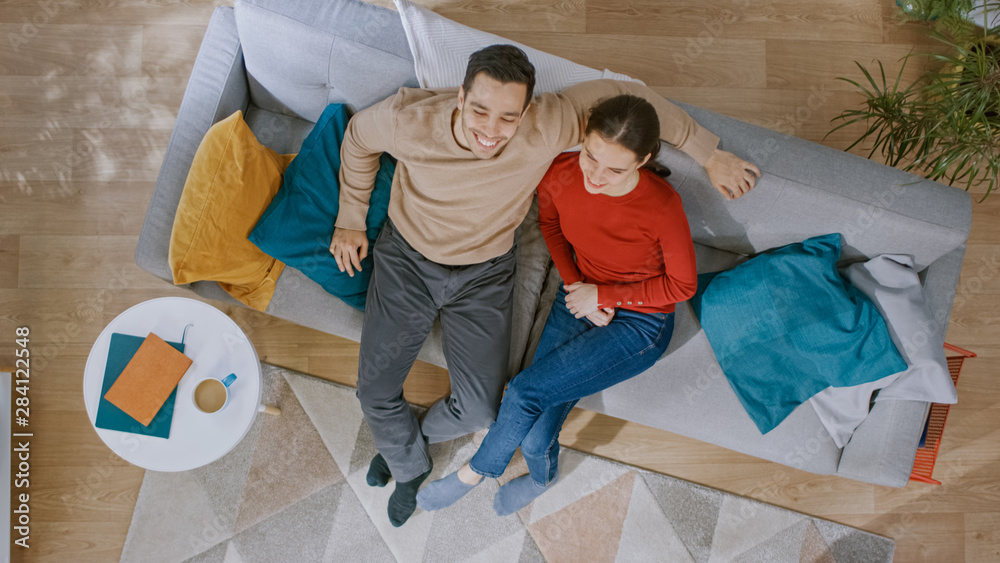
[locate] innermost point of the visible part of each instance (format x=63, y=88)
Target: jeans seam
x=548, y=457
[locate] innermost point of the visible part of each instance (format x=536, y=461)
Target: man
x=464, y=181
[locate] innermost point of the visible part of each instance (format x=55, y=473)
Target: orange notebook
x=148, y=379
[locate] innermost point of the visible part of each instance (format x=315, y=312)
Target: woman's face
x=608, y=168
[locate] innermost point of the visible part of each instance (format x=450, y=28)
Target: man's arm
x=369, y=133
x=729, y=174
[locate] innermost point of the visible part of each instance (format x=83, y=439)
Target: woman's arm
x=680, y=280
x=548, y=220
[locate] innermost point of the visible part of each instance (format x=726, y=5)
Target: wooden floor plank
x=790, y=64
x=74, y=49
x=9, y=260
x=97, y=103
x=500, y=16
x=839, y=20
x=85, y=208
x=34, y=14
x=45, y=258
x=34, y=154
x=982, y=536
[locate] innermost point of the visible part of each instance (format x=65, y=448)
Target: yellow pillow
x=232, y=180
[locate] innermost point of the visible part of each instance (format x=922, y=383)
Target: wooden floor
x=88, y=95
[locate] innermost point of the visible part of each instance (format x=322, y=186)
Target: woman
x=620, y=240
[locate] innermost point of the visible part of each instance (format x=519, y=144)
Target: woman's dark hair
x=629, y=121
x=504, y=63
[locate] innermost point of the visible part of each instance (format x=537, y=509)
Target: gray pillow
x=893, y=285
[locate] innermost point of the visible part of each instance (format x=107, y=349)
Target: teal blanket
x=785, y=325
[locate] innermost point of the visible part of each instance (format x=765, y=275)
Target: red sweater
x=635, y=248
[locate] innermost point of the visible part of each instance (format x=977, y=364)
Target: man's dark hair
x=504, y=63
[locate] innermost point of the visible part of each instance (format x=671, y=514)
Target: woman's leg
x=591, y=362
x=540, y=448
x=560, y=327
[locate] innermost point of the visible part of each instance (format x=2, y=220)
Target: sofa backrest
x=302, y=55
x=808, y=189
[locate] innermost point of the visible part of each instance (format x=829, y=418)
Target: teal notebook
x=123, y=347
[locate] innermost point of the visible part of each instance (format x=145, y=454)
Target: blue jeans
x=574, y=359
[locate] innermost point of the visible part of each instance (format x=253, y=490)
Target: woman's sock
x=443, y=492
x=516, y=494
x=403, y=500
x=378, y=472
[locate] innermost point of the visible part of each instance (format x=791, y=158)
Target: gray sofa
x=283, y=62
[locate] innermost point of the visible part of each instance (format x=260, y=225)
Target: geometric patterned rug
x=294, y=491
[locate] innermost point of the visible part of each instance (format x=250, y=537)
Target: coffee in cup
x=211, y=395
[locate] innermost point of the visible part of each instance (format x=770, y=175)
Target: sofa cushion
x=302, y=56
x=298, y=225
x=231, y=182
x=785, y=325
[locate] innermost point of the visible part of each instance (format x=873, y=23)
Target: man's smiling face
x=488, y=115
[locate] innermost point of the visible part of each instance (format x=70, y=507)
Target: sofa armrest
x=883, y=448
x=217, y=88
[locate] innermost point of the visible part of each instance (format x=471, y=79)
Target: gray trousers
x=406, y=294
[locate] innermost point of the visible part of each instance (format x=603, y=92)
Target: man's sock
x=403, y=501
x=516, y=494
x=443, y=492
x=378, y=472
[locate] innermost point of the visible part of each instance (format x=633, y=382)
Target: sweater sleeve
x=548, y=220
x=369, y=133
x=681, y=278
x=676, y=126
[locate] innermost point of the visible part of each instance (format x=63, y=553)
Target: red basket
x=923, y=465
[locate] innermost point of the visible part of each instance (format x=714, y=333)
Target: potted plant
x=946, y=124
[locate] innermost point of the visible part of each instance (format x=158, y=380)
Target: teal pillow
x=785, y=325
x=297, y=226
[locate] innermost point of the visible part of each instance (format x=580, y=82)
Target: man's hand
x=581, y=299
x=730, y=174
x=602, y=317
x=345, y=249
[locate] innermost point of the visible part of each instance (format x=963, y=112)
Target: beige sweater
x=454, y=208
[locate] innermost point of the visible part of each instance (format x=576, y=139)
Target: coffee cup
x=212, y=395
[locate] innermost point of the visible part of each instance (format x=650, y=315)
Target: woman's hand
x=602, y=317
x=581, y=299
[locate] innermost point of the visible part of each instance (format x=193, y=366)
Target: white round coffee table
x=217, y=347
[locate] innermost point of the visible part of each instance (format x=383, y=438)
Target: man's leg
x=399, y=313
x=475, y=322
